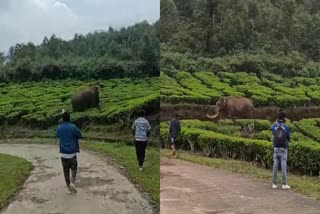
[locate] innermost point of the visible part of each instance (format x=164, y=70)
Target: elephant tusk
x=213, y=116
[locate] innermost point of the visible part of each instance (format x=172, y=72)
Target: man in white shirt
x=141, y=130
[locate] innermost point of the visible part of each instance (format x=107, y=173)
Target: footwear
x=69, y=191
x=274, y=186
x=73, y=188
x=174, y=152
x=286, y=186
x=141, y=169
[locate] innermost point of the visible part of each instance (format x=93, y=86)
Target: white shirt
x=68, y=156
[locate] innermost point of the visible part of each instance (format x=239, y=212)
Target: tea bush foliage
x=213, y=140
x=204, y=87
x=39, y=104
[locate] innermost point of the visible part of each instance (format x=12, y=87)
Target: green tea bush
x=309, y=127
x=39, y=104
x=304, y=154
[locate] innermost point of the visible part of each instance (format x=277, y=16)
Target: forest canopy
x=128, y=52
x=286, y=32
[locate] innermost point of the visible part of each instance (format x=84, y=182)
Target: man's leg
x=138, y=151
x=74, y=169
x=172, y=140
x=143, y=151
x=66, y=171
x=275, y=166
x=284, y=166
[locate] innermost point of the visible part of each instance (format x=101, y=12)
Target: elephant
x=234, y=107
x=86, y=98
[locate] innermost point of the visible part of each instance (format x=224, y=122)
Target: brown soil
x=194, y=111
x=189, y=188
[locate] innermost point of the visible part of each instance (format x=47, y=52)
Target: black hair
x=66, y=117
x=281, y=116
x=141, y=113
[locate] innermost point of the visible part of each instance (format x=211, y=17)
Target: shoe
x=69, y=191
x=274, y=186
x=73, y=188
x=286, y=186
x=141, y=169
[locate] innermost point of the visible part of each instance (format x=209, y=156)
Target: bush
x=304, y=155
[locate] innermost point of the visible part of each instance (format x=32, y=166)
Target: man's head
x=177, y=116
x=281, y=116
x=141, y=113
x=65, y=117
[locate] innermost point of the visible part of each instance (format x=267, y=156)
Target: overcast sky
x=31, y=20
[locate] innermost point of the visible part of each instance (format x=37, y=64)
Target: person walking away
x=175, y=129
x=69, y=136
x=281, y=141
x=141, y=131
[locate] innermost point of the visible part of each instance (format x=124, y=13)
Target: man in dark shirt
x=69, y=134
x=175, y=129
x=281, y=141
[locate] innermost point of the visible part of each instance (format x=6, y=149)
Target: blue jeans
x=280, y=156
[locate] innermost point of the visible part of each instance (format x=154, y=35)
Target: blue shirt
x=141, y=127
x=286, y=128
x=69, y=135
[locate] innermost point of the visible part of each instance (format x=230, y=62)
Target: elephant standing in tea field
x=86, y=98
x=233, y=107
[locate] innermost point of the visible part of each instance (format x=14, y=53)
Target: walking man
x=69, y=134
x=175, y=129
x=141, y=131
x=281, y=140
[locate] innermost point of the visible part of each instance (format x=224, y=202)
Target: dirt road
x=101, y=188
x=188, y=188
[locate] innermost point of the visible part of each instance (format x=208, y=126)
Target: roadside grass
x=13, y=173
x=123, y=155
x=306, y=185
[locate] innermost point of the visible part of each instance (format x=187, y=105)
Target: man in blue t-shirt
x=281, y=139
x=141, y=131
x=69, y=134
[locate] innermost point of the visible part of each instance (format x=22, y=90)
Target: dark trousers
x=69, y=164
x=141, y=151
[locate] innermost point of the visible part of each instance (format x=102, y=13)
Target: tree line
x=224, y=28
x=128, y=52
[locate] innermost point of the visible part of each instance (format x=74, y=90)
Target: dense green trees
x=216, y=27
x=128, y=52
x=282, y=36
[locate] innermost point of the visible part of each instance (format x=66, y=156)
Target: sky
x=23, y=21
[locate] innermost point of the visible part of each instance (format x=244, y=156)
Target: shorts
x=172, y=140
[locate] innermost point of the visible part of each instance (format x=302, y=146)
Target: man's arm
x=288, y=133
x=77, y=132
x=273, y=129
x=57, y=133
x=149, y=129
x=134, y=128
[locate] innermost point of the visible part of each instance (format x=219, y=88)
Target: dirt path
x=101, y=189
x=188, y=188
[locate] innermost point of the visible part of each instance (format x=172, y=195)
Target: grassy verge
x=306, y=185
x=148, y=180
x=13, y=173
x=124, y=155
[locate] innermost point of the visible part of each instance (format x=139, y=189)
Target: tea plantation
x=267, y=90
x=39, y=104
x=228, y=141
